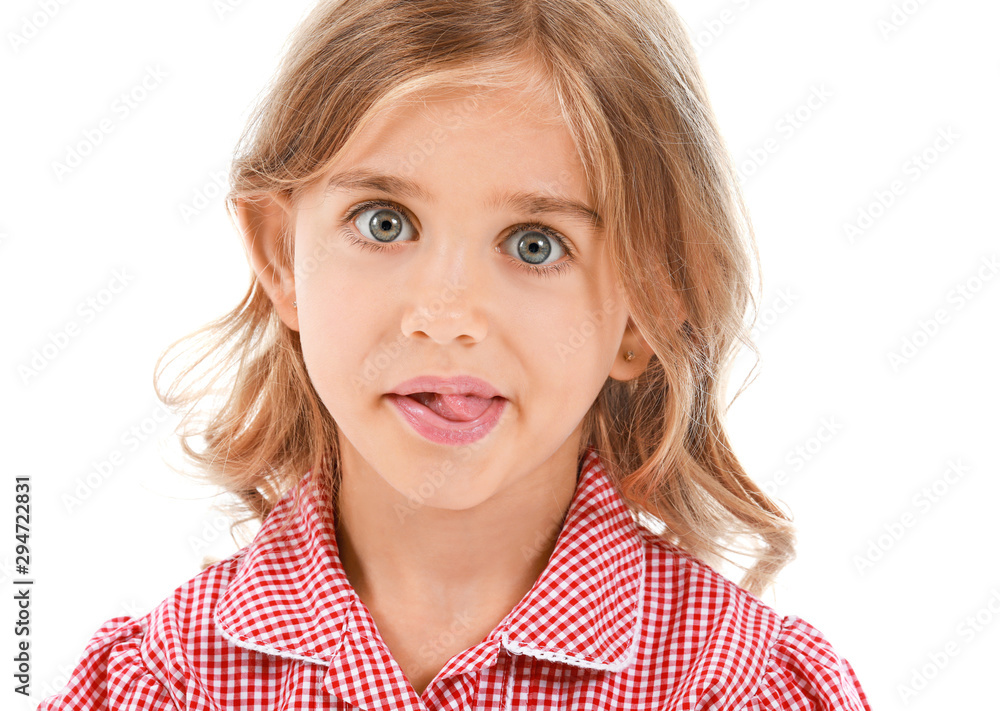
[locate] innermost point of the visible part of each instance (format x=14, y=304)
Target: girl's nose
x=444, y=298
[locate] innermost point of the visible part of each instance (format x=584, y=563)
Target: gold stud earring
x=629, y=355
x=295, y=304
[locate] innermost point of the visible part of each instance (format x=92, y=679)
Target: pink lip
x=457, y=385
x=437, y=429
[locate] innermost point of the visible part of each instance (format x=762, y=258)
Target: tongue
x=460, y=408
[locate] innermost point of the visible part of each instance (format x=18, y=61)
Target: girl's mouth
x=449, y=419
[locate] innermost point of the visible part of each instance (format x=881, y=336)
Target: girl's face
x=467, y=277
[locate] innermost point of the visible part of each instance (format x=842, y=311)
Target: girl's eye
x=381, y=222
x=535, y=245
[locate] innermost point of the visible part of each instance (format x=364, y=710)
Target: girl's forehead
x=498, y=130
x=454, y=108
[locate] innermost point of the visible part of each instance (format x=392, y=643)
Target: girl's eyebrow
x=531, y=203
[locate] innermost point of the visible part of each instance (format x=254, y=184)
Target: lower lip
x=443, y=431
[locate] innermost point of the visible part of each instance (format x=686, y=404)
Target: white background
x=847, y=439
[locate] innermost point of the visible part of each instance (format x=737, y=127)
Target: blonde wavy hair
x=631, y=93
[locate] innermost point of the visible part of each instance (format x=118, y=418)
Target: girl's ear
x=264, y=223
x=632, y=341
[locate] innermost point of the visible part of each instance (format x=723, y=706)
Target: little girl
x=501, y=268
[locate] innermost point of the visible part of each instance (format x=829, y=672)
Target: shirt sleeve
x=804, y=673
x=111, y=675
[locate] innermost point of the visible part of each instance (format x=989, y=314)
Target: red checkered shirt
x=619, y=619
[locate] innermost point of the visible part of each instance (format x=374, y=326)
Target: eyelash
x=537, y=271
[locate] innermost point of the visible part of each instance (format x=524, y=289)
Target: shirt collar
x=290, y=596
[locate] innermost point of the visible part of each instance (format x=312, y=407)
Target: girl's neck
x=436, y=561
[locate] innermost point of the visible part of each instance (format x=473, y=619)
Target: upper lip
x=455, y=385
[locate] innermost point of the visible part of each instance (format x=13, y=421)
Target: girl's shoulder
x=134, y=662
x=722, y=638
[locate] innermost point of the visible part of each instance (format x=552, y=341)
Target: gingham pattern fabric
x=619, y=619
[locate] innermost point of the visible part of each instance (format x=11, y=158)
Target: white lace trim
x=267, y=648
x=627, y=661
